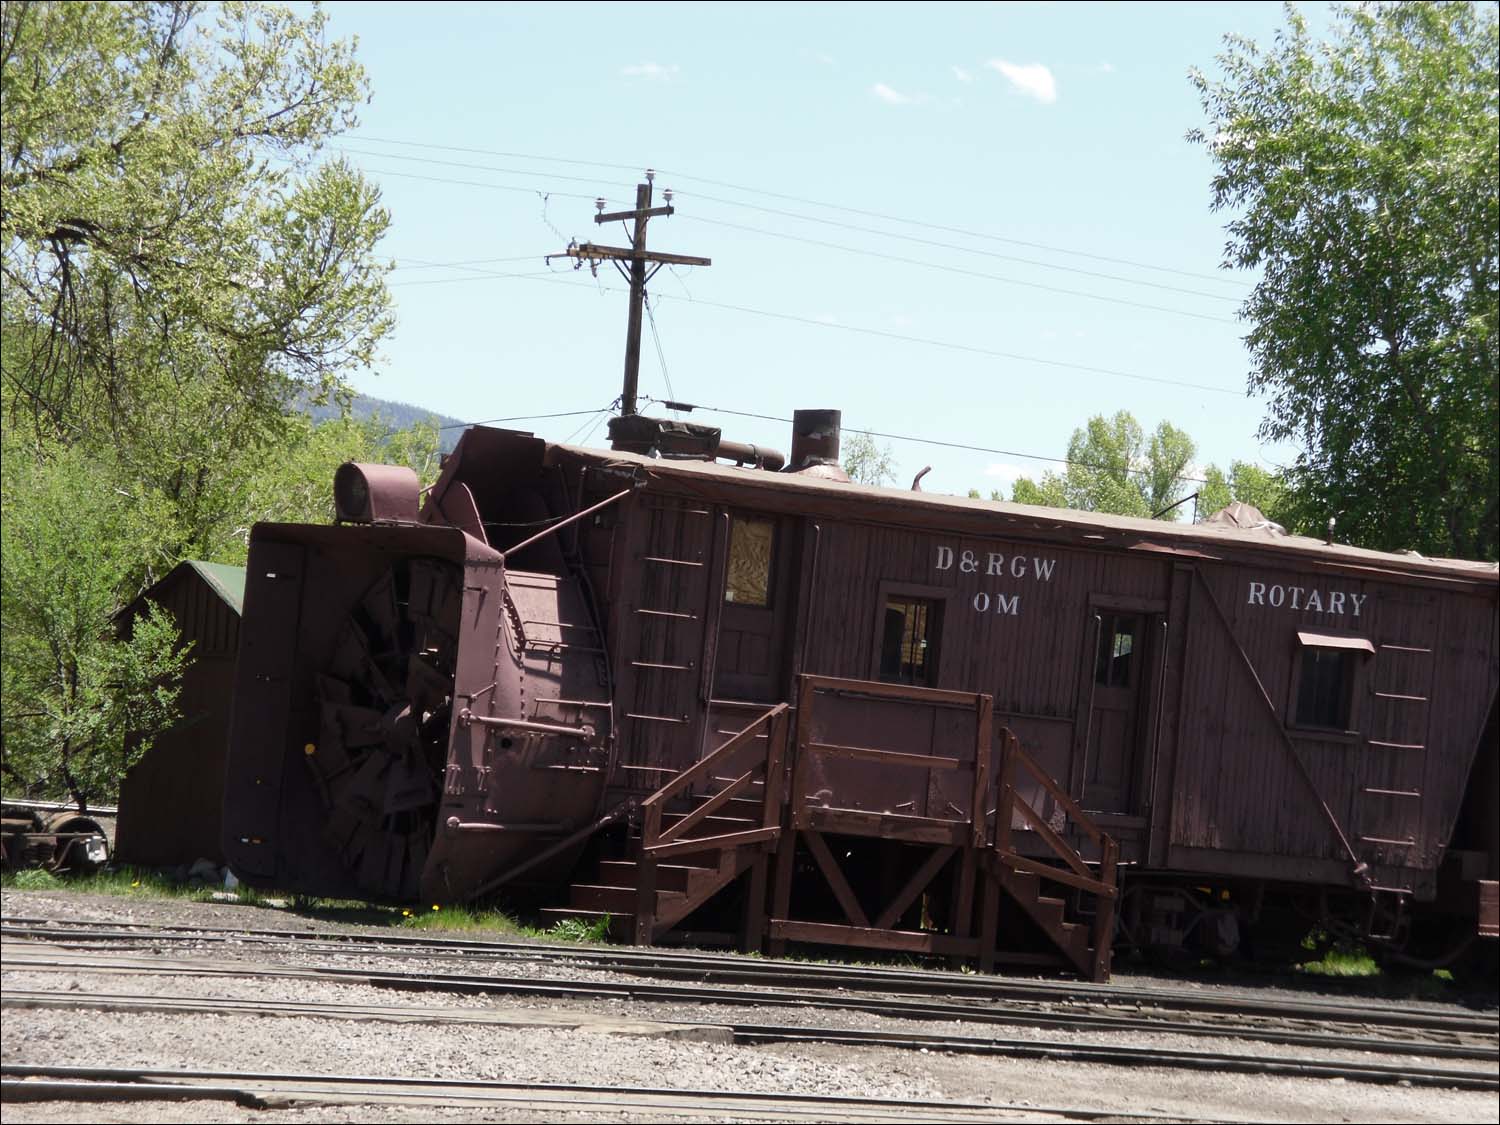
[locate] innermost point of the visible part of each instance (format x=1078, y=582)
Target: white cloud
x=961, y=74
x=1106, y=68
x=653, y=72
x=888, y=95
x=1034, y=80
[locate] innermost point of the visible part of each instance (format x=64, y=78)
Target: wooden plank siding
x=1223, y=779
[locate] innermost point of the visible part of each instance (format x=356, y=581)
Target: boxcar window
x=748, y=581
x=1324, y=690
x=1116, y=655
x=908, y=643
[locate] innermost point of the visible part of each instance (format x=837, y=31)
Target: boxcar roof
x=936, y=512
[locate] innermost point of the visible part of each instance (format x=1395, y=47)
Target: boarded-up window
x=908, y=644
x=751, y=542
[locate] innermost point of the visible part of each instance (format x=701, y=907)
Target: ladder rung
x=1397, y=745
x=677, y=511
x=669, y=562
x=572, y=702
x=561, y=625
x=668, y=613
x=1406, y=648
x=1393, y=792
x=561, y=644
x=655, y=718
x=1382, y=840
x=1396, y=695
x=661, y=667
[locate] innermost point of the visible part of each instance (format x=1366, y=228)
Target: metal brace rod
x=467, y=718
x=560, y=524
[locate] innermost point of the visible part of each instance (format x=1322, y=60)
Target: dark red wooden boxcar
x=1184, y=728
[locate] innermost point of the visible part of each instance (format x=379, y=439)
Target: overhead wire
x=809, y=202
x=944, y=444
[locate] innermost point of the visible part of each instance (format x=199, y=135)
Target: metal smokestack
x=815, y=443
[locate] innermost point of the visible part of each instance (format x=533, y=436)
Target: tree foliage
x=866, y=462
x=1361, y=176
x=184, y=272
x=1114, y=467
x=79, y=704
x=1247, y=483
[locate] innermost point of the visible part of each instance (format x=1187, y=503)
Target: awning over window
x=1332, y=640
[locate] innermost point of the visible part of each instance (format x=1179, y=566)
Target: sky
x=978, y=224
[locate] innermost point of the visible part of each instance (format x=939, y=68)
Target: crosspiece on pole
x=600, y=253
x=638, y=257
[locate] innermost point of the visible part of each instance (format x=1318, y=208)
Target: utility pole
x=637, y=275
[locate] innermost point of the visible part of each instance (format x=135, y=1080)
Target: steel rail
x=889, y=1007
x=48, y=1083
x=731, y=968
x=741, y=1033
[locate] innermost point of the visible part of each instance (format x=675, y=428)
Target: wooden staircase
x=692, y=845
x=1087, y=948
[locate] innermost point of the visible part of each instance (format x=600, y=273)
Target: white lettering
x=1043, y=567
x=1358, y=600
x=1018, y=561
x=1008, y=604
x=1277, y=596
x=968, y=562
x=1295, y=591
x=1336, y=601
x=944, y=559
x=997, y=560
x=1257, y=593
x=1314, y=602
x=982, y=602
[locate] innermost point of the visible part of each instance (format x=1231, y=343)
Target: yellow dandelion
x=435, y=906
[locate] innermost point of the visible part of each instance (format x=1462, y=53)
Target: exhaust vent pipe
x=815, y=444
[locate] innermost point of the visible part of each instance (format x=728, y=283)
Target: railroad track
x=706, y=968
x=264, y=1090
x=1409, y=1071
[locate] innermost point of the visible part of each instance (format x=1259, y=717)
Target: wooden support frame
x=953, y=843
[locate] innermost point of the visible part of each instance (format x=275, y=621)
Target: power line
x=978, y=274
x=943, y=444
x=887, y=217
x=1038, y=286
x=518, y=418
x=850, y=227
x=951, y=346
x=928, y=341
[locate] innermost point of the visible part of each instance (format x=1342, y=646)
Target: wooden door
x=750, y=663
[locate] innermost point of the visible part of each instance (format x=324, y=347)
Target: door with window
x=750, y=663
x=1117, y=710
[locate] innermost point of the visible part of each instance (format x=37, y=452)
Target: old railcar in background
x=704, y=696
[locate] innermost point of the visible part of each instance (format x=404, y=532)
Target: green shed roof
x=226, y=581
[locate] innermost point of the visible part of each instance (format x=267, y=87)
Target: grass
x=128, y=882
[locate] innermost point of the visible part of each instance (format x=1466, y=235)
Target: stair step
x=715, y=825
x=615, y=900
x=669, y=876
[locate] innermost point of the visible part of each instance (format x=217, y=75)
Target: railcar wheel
x=386, y=704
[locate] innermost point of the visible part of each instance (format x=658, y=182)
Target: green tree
x=1247, y=483
x=868, y=463
x=181, y=267
x=1114, y=467
x=79, y=705
x=1362, y=178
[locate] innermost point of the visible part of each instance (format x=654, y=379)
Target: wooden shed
x=170, y=802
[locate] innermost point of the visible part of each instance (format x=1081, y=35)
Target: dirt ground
x=604, y=1042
